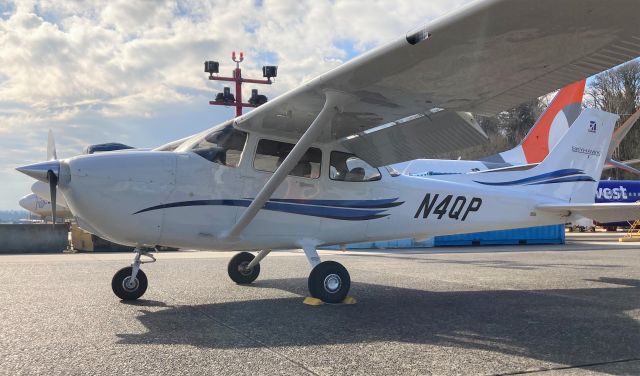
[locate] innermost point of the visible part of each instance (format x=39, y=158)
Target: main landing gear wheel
x=238, y=270
x=329, y=281
x=127, y=288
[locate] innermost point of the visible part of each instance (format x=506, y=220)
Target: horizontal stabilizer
x=603, y=213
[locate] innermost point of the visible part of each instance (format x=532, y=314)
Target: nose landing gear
x=130, y=283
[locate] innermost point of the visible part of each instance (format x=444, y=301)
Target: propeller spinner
x=47, y=172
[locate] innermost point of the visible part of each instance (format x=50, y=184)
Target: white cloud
x=131, y=71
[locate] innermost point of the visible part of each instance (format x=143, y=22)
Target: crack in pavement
x=560, y=368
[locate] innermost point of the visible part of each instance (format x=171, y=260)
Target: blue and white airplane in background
x=609, y=191
x=617, y=191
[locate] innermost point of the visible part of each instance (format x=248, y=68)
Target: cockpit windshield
x=172, y=145
x=223, y=145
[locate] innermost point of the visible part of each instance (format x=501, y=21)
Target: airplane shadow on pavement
x=566, y=326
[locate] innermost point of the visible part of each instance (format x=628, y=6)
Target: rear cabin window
x=270, y=154
x=348, y=167
x=223, y=146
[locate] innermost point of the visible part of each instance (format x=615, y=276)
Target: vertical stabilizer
x=548, y=129
x=554, y=122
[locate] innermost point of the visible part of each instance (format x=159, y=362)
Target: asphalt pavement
x=549, y=310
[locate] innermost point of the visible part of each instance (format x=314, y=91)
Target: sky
x=132, y=71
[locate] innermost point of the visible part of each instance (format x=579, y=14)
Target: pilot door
x=291, y=208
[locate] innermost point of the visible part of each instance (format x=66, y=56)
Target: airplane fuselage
x=42, y=207
x=183, y=200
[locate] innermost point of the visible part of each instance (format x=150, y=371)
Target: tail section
x=548, y=129
x=554, y=122
x=572, y=170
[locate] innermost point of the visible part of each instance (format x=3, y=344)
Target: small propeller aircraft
x=303, y=170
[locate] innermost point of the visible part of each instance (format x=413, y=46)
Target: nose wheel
x=130, y=283
x=127, y=288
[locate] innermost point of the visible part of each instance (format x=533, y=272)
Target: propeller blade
x=52, y=154
x=53, y=185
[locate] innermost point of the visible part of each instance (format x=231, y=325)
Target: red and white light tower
x=226, y=98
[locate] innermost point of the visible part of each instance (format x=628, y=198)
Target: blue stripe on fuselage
x=351, y=210
x=537, y=178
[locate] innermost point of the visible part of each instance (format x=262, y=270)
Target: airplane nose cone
x=24, y=202
x=39, y=170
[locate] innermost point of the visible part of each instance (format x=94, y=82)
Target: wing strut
x=621, y=132
x=329, y=110
x=623, y=166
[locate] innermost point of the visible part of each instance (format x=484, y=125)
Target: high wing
x=484, y=58
x=603, y=213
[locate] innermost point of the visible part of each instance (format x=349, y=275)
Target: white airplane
x=301, y=170
x=42, y=207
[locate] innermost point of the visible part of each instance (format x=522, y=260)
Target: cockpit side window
x=223, y=146
x=270, y=154
x=348, y=167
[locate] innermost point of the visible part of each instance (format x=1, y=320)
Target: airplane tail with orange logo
x=548, y=129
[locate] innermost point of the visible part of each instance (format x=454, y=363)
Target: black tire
x=122, y=291
x=238, y=273
x=329, y=281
